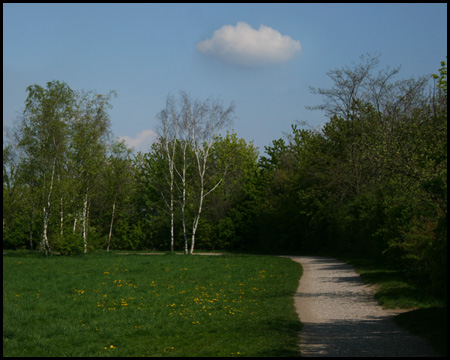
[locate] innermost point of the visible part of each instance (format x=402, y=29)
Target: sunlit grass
x=112, y=305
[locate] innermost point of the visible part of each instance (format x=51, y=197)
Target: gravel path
x=342, y=318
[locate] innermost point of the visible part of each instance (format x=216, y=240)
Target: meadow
x=128, y=305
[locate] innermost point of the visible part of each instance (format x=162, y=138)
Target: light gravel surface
x=341, y=317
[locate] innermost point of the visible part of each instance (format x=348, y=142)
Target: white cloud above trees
x=243, y=45
x=141, y=142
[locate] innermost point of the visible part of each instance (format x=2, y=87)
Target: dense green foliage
x=103, y=304
x=372, y=181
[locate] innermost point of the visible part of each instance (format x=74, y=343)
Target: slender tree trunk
x=31, y=226
x=85, y=216
x=45, y=243
x=171, y=158
x=196, y=220
x=183, y=200
x=172, y=232
x=168, y=119
x=202, y=171
x=183, y=217
x=172, y=180
x=111, y=227
x=61, y=211
x=62, y=218
x=75, y=223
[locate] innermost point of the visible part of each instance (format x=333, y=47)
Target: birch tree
x=205, y=126
x=188, y=130
x=173, y=148
x=43, y=141
x=116, y=181
x=168, y=136
x=89, y=134
x=188, y=113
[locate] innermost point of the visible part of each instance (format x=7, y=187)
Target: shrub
x=71, y=244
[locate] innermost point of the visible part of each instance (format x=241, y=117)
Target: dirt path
x=342, y=318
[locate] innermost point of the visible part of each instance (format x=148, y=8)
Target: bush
x=15, y=235
x=71, y=244
x=128, y=237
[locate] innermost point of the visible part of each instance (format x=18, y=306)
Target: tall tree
x=60, y=144
x=201, y=123
x=228, y=210
x=43, y=140
x=389, y=97
x=90, y=132
x=168, y=136
x=116, y=181
x=205, y=121
x=192, y=125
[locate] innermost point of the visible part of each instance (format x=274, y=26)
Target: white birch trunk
x=172, y=232
x=171, y=167
x=197, y=218
x=183, y=217
x=84, y=225
x=183, y=204
x=167, y=126
x=45, y=243
x=75, y=223
x=87, y=218
x=169, y=123
x=31, y=226
x=62, y=218
x=111, y=227
x=61, y=211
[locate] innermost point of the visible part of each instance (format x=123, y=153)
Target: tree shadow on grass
x=430, y=323
x=271, y=331
x=361, y=338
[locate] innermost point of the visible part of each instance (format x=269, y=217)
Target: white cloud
x=243, y=45
x=142, y=141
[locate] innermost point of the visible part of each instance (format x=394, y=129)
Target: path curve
x=341, y=317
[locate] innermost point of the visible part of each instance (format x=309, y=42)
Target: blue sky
x=146, y=51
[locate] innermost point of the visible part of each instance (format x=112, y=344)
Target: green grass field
x=116, y=305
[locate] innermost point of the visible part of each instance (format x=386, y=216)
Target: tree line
x=371, y=181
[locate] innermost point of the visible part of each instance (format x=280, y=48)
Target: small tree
x=190, y=126
x=90, y=131
x=204, y=133
x=116, y=180
x=168, y=136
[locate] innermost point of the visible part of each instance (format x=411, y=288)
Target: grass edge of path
x=424, y=315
